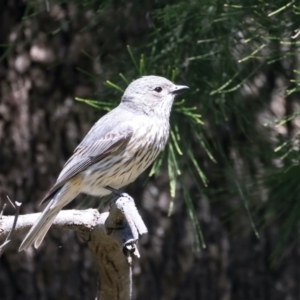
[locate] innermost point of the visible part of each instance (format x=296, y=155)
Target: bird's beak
x=179, y=88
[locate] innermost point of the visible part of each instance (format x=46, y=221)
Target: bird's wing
x=89, y=153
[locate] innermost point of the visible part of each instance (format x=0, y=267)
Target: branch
x=112, y=238
x=17, y=207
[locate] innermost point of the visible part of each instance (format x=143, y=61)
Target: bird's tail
x=40, y=227
x=45, y=220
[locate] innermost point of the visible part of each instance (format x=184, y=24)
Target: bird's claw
x=115, y=191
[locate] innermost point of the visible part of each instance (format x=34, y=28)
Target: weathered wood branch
x=111, y=237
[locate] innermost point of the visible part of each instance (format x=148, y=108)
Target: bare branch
x=12, y=204
x=17, y=207
x=2, y=211
x=111, y=237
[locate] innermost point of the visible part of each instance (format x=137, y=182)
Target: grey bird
x=117, y=149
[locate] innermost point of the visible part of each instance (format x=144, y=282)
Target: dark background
x=241, y=61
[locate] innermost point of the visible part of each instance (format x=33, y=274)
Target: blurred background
x=223, y=203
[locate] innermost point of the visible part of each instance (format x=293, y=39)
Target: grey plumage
x=118, y=148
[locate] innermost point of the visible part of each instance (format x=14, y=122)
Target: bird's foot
x=115, y=191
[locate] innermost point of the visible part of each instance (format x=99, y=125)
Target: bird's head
x=152, y=95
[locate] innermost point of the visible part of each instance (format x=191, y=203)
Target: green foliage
x=224, y=50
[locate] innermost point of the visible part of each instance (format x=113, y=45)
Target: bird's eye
x=158, y=89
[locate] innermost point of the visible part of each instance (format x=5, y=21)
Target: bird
x=116, y=150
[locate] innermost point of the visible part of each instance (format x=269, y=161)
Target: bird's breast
x=123, y=167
